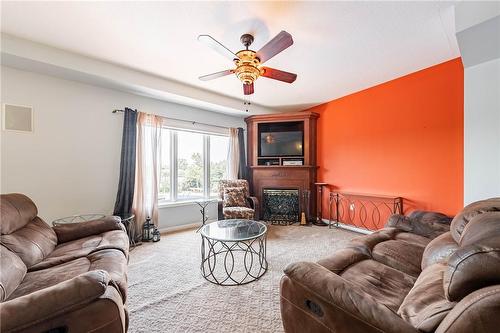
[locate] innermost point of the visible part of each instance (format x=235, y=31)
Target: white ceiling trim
x=27, y=55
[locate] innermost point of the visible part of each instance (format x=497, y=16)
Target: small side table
x=128, y=221
x=203, y=206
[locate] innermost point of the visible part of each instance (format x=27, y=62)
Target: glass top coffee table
x=233, y=252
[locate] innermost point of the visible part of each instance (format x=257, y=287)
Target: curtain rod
x=187, y=121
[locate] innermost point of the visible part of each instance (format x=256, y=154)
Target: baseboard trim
x=182, y=227
x=350, y=227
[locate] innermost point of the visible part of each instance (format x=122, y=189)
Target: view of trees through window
x=164, y=189
x=199, y=157
x=218, y=162
x=189, y=165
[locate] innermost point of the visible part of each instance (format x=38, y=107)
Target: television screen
x=281, y=143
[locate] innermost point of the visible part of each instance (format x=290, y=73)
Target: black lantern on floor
x=156, y=235
x=147, y=230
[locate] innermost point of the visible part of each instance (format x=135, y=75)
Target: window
x=164, y=189
x=192, y=164
x=218, y=162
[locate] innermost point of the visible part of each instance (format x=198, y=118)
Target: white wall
x=70, y=164
x=478, y=36
x=482, y=131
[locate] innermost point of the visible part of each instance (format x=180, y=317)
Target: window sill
x=168, y=204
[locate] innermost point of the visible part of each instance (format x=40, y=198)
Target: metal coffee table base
x=220, y=264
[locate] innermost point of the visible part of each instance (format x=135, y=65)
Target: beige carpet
x=168, y=294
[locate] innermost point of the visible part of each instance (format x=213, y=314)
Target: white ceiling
x=339, y=47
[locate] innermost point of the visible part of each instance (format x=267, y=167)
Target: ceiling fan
x=249, y=63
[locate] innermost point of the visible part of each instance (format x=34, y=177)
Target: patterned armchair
x=236, y=200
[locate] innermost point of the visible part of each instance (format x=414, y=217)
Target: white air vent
x=17, y=118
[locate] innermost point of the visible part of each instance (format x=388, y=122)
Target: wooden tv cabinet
x=300, y=177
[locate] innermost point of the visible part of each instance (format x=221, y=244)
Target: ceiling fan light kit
x=249, y=63
x=247, y=66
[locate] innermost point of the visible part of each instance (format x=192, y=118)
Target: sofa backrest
x=476, y=262
x=441, y=248
x=469, y=212
x=12, y=272
x=22, y=231
x=17, y=210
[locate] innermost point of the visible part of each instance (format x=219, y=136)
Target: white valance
x=194, y=126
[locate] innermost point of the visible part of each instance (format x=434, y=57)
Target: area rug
x=168, y=294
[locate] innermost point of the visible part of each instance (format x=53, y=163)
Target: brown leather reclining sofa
x=71, y=278
x=412, y=276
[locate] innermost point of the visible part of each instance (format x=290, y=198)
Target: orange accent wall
x=403, y=137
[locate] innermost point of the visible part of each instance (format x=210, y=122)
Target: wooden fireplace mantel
x=301, y=177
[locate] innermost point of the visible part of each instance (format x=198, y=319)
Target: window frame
x=173, y=199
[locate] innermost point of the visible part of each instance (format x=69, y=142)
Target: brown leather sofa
x=71, y=278
x=412, y=276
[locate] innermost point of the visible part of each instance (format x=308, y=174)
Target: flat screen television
x=281, y=144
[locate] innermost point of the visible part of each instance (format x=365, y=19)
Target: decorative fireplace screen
x=280, y=205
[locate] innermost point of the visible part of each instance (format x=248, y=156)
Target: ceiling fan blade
x=276, y=74
x=248, y=89
x=216, y=46
x=216, y=75
x=274, y=46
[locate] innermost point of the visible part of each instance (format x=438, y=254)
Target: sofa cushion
x=82, y=247
x=476, y=264
x=387, y=285
x=403, y=256
x=426, y=224
x=369, y=241
x=16, y=210
x=238, y=213
x=431, y=218
x=389, y=246
x=439, y=250
x=112, y=261
x=12, y=272
x=469, y=212
x=233, y=183
x=412, y=238
x=343, y=258
x=32, y=243
x=234, y=197
x=425, y=306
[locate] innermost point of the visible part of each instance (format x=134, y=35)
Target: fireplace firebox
x=280, y=206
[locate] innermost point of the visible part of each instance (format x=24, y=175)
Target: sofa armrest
x=427, y=224
x=72, y=231
x=254, y=204
x=28, y=310
x=476, y=312
x=331, y=304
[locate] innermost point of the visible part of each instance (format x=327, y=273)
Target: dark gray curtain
x=125, y=195
x=242, y=172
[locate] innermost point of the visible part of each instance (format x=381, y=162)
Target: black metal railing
x=366, y=211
